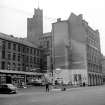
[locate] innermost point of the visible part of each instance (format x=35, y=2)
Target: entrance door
x=8, y=79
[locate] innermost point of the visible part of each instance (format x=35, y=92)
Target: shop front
x=18, y=78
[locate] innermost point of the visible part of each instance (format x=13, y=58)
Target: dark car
x=7, y=89
x=36, y=83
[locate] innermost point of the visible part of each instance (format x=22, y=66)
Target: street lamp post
x=52, y=54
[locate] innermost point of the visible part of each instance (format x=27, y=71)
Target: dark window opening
x=3, y=65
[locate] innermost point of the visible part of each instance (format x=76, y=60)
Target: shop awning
x=20, y=72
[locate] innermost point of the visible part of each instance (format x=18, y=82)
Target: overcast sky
x=14, y=13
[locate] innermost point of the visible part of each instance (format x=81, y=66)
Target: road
x=74, y=96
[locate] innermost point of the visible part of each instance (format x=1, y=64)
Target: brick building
x=19, y=60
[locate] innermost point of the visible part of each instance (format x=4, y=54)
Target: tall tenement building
x=76, y=49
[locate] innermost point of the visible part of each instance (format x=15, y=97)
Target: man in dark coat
x=47, y=86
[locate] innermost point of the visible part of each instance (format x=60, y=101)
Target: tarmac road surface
x=74, y=96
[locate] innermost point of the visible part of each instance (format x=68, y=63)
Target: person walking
x=47, y=86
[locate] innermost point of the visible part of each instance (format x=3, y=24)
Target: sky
x=14, y=14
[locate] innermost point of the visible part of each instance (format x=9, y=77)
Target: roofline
x=19, y=42
x=60, y=21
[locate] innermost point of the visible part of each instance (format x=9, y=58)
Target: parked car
x=8, y=89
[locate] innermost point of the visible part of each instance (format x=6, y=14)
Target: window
x=27, y=50
x=34, y=60
x=34, y=51
x=9, y=56
x=8, y=65
x=30, y=59
x=14, y=46
x=38, y=60
x=9, y=45
x=18, y=57
x=3, y=65
x=27, y=59
x=79, y=77
x=14, y=66
x=23, y=67
x=14, y=56
x=37, y=52
x=31, y=51
x=23, y=58
x=3, y=54
x=19, y=48
x=47, y=44
x=31, y=66
x=75, y=77
x=18, y=67
x=3, y=44
x=23, y=49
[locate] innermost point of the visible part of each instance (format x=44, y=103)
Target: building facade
x=103, y=68
x=76, y=48
x=19, y=60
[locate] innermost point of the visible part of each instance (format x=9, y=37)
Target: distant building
x=45, y=42
x=19, y=60
x=35, y=27
x=35, y=32
x=76, y=48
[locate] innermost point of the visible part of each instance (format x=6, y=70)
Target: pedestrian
x=47, y=86
x=83, y=84
x=63, y=88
